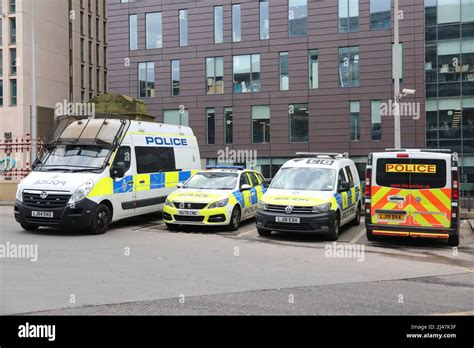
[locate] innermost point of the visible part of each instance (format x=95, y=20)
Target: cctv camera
x=407, y=91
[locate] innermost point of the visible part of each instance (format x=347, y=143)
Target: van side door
x=123, y=198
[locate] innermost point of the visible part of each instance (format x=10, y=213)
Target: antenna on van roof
x=323, y=154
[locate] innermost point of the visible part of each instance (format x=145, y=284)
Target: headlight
x=168, y=203
x=321, y=208
x=262, y=205
x=219, y=204
x=19, y=196
x=81, y=192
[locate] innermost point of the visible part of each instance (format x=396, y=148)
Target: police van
x=412, y=193
x=92, y=172
x=316, y=193
x=218, y=196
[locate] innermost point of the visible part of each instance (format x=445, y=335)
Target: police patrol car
x=412, y=193
x=92, y=172
x=220, y=195
x=317, y=192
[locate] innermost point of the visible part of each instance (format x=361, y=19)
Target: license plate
x=396, y=217
x=287, y=219
x=42, y=214
x=188, y=212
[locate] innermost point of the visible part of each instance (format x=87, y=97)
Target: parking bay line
x=245, y=233
x=358, y=236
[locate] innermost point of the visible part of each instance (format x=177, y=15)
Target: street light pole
x=34, y=121
x=396, y=78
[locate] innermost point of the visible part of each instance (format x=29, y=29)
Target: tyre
x=235, y=219
x=370, y=236
x=101, y=221
x=356, y=221
x=29, y=227
x=454, y=239
x=264, y=233
x=172, y=227
x=334, y=234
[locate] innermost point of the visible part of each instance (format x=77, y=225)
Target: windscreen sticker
x=410, y=168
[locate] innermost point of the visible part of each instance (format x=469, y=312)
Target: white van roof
x=162, y=128
x=319, y=160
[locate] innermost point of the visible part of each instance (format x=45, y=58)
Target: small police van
x=412, y=193
x=317, y=192
x=92, y=172
x=218, y=196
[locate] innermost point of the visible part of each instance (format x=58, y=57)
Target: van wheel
x=172, y=227
x=101, y=221
x=334, y=234
x=454, y=240
x=235, y=219
x=29, y=227
x=356, y=221
x=370, y=236
x=264, y=233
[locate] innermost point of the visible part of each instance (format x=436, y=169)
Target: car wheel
x=29, y=227
x=101, y=221
x=454, y=239
x=356, y=221
x=235, y=219
x=370, y=235
x=171, y=227
x=334, y=234
x=264, y=233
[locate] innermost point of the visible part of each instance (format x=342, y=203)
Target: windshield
x=300, y=178
x=72, y=157
x=212, y=180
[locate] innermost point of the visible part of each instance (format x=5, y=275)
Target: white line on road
x=359, y=236
x=245, y=233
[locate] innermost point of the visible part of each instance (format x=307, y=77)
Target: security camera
x=407, y=91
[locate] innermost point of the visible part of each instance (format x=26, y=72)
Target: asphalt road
x=139, y=267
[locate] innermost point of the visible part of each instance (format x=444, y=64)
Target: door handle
x=396, y=198
x=142, y=181
x=130, y=183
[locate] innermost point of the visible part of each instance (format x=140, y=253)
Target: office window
x=261, y=124
x=90, y=52
x=246, y=73
x=355, y=120
x=176, y=117
x=12, y=31
x=299, y=123
x=12, y=6
x=146, y=80
x=284, y=77
x=380, y=14
x=153, y=30
x=12, y=61
x=90, y=79
x=228, y=126
x=313, y=69
x=1, y=62
x=215, y=75
x=236, y=23
x=264, y=20
x=175, y=78
x=183, y=27
x=400, y=60
x=467, y=10
x=297, y=17
x=97, y=80
x=211, y=126
x=348, y=16
x=82, y=23
x=133, y=31
x=1, y=31
x=97, y=29
x=349, y=66
x=1, y=92
x=13, y=92
x=82, y=76
x=154, y=159
x=376, y=120
x=82, y=50
x=218, y=25
x=89, y=23
x=97, y=55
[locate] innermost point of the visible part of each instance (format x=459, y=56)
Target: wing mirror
x=118, y=170
x=245, y=187
x=179, y=184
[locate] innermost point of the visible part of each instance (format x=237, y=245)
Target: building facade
x=275, y=77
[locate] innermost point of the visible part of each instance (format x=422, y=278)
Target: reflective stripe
x=103, y=187
x=171, y=179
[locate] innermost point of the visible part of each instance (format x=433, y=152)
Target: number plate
x=188, y=212
x=42, y=214
x=287, y=219
x=396, y=217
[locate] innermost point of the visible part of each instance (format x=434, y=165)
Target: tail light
x=367, y=191
x=454, y=212
x=455, y=185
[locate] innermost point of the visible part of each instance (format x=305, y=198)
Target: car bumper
x=414, y=232
x=309, y=223
x=79, y=216
x=207, y=217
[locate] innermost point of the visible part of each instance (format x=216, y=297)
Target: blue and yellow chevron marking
x=123, y=185
x=253, y=195
x=239, y=197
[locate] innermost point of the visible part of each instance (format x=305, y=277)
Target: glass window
x=1, y=92
x=175, y=78
x=246, y=73
x=467, y=10
x=349, y=66
x=261, y=124
x=236, y=23
x=313, y=69
x=228, y=126
x=177, y=117
x=299, y=123
x=253, y=178
x=13, y=92
x=133, y=32
x=400, y=61
x=212, y=180
x=297, y=178
x=380, y=14
x=264, y=20
x=123, y=155
x=154, y=159
x=153, y=30
x=244, y=180
x=284, y=77
x=211, y=126
x=146, y=80
x=297, y=17
x=376, y=120
x=12, y=61
x=1, y=30
x=12, y=31
x=449, y=11
x=355, y=120
x=183, y=27
x=12, y=6
x=215, y=75
x=348, y=16
x=218, y=25
x=468, y=125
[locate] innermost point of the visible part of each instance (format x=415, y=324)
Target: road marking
x=245, y=233
x=359, y=236
x=470, y=313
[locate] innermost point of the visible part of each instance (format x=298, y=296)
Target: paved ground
x=139, y=267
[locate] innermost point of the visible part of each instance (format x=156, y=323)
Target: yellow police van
x=218, y=196
x=412, y=193
x=92, y=172
x=316, y=193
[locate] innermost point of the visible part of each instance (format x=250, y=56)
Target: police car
x=218, y=196
x=316, y=192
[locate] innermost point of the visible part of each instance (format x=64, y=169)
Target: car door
x=255, y=192
x=246, y=195
x=342, y=197
x=351, y=194
x=123, y=188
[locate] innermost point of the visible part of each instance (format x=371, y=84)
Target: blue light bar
x=225, y=167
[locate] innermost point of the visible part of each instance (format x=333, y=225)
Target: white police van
x=92, y=172
x=314, y=193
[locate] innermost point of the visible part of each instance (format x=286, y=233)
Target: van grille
x=190, y=205
x=52, y=200
x=296, y=210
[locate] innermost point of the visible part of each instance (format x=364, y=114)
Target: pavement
x=139, y=267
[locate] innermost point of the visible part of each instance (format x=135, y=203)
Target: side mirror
x=345, y=186
x=118, y=170
x=245, y=187
x=179, y=184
